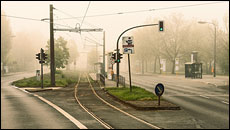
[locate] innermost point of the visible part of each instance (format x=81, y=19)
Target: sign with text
x=127, y=44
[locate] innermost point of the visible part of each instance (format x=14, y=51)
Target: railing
x=121, y=79
x=101, y=78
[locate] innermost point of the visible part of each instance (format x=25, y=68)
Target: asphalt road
x=206, y=103
x=20, y=110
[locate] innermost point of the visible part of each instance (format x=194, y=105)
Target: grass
x=62, y=79
x=137, y=94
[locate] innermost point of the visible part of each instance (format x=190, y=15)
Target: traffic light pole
x=118, y=44
x=42, y=74
x=41, y=52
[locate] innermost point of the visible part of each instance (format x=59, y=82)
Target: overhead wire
x=137, y=11
x=32, y=19
x=85, y=13
x=78, y=19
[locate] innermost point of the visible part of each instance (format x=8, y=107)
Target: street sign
x=159, y=89
x=127, y=44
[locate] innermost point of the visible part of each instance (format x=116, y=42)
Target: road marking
x=204, y=96
x=224, y=102
x=67, y=115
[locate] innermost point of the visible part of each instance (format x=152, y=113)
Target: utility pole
x=52, y=60
x=214, y=74
x=103, y=53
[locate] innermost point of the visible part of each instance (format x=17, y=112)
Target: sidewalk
x=218, y=81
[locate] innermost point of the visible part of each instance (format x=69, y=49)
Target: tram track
x=105, y=113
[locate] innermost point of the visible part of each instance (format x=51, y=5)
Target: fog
x=182, y=33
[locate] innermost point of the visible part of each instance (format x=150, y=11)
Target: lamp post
x=214, y=57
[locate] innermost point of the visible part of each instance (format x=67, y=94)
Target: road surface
x=20, y=110
x=206, y=103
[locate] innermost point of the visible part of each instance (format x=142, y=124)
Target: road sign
x=159, y=89
x=127, y=44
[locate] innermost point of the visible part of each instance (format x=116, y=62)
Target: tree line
x=179, y=39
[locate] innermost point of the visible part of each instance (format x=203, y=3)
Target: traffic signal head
x=38, y=56
x=41, y=61
x=44, y=56
x=119, y=57
x=161, y=25
x=114, y=56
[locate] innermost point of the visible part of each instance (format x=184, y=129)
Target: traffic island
x=139, y=99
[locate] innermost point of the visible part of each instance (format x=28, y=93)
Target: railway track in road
x=106, y=114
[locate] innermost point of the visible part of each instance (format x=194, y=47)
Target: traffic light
x=44, y=56
x=161, y=25
x=38, y=56
x=41, y=61
x=119, y=57
x=114, y=56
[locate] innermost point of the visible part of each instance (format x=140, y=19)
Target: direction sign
x=127, y=44
x=159, y=89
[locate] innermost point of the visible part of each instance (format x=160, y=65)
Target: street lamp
x=203, y=22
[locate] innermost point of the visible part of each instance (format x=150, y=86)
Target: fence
x=121, y=79
x=101, y=78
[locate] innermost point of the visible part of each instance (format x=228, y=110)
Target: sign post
x=128, y=48
x=159, y=90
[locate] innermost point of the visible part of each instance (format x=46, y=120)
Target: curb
x=38, y=90
x=140, y=107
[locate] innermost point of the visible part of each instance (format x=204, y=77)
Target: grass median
x=137, y=94
x=62, y=79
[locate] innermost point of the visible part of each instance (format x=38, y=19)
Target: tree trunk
x=155, y=64
x=142, y=67
x=173, y=66
x=206, y=67
x=210, y=68
x=159, y=64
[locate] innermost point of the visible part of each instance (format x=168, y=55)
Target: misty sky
x=113, y=25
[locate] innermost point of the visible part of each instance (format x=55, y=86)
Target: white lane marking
x=204, y=96
x=224, y=102
x=67, y=115
x=21, y=89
